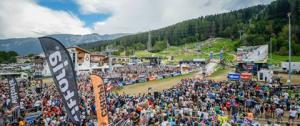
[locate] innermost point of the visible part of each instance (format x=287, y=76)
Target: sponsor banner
x=233, y=76
x=250, y=67
x=63, y=74
x=14, y=97
x=211, y=55
x=221, y=54
x=100, y=100
x=13, y=91
x=246, y=76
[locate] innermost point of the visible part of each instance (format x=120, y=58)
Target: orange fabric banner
x=152, y=78
x=246, y=76
x=100, y=99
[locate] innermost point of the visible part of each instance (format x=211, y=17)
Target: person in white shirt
x=286, y=95
x=279, y=114
x=165, y=122
x=292, y=115
x=276, y=100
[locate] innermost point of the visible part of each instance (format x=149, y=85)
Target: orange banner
x=100, y=99
x=151, y=78
x=246, y=76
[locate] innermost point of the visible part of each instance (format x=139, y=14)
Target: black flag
x=63, y=74
x=13, y=91
x=14, y=96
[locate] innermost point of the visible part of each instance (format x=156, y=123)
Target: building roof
x=97, y=54
x=76, y=47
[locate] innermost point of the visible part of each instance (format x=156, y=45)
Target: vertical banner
x=100, y=99
x=211, y=55
x=13, y=91
x=63, y=74
x=221, y=54
x=14, y=97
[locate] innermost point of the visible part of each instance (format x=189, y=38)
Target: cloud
x=130, y=16
x=25, y=18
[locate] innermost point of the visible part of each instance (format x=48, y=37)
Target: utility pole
x=149, y=44
x=168, y=44
x=240, y=31
x=290, y=50
x=271, y=58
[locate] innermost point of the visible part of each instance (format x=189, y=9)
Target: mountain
x=224, y=25
x=25, y=46
x=256, y=24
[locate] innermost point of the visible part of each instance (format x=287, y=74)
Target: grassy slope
x=188, y=51
x=277, y=59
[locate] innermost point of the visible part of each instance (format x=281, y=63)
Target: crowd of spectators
x=197, y=102
x=192, y=102
x=130, y=74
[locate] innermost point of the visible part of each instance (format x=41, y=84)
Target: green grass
x=189, y=51
x=277, y=59
x=219, y=44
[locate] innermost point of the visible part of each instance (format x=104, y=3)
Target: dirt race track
x=157, y=85
x=295, y=78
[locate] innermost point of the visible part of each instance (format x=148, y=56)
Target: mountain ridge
x=28, y=45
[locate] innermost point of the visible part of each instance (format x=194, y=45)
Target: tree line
x=257, y=25
x=8, y=57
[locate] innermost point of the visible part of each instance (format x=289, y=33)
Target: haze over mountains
x=25, y=46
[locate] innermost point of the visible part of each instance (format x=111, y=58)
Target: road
x=210, y=68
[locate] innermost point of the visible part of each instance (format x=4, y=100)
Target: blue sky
x=36, y=18
x=71, y=7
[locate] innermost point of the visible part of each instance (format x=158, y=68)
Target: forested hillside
x=273, y=23
x=256, y=24
x=8, y=57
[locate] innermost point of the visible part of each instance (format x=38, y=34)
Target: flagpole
x=290, y=51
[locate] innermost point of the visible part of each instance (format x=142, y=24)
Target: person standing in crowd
x=292, y=115
x=279, y=114
x=192, y=101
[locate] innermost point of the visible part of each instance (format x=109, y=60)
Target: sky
x=36, y=18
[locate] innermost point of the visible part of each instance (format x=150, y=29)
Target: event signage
x=100, y=100
x=211, y=55
x=246, y=76
x=233, y=76
x=63, y=74
x=13, y=91
x=221, y=54
x=14, y=97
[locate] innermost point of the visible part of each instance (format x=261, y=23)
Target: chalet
x=81, y=59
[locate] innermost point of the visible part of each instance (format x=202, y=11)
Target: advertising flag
x=221, y=54
x=100, y=100
x=63, y=74
x=14, y=97
x=13, y=91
